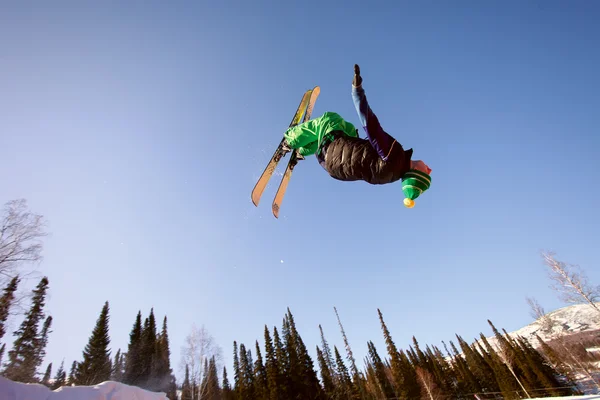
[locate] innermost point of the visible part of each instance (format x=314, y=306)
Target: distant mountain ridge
x=566, y=321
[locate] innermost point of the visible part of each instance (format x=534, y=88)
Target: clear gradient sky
x=138, y=129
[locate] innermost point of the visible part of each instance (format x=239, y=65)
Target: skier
x=378, y=159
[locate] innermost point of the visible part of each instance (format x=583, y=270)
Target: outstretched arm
x=381, y=141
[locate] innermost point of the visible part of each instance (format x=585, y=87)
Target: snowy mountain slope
x=10, y=390
x=566, y=321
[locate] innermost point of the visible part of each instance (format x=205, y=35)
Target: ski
x=262, y=182
x=293, y=158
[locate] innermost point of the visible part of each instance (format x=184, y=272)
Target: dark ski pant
x=381, y=141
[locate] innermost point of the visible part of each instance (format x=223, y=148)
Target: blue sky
x=139, y=130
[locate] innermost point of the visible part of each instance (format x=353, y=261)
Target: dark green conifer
x=507, y=383
x=283, y=365
x=478, y=367
x=380, y=371
x=60, y=379
x=2, y=350
x=46, y=378
x=6, y=302
x=23, y=358
x=227, y=391
x=186, y=387
x=326, y=376
x=358, y=389
x=72, y=374
x=96, y=365
x=345, y=390
x=118, y=367
x=246, y=391
x=308, y=382
x=237, y=374
x=161, y=366
x=260, y=376
x=148, y=351
x=404, y=375
x=272, y=368
x=42, y=341
x=328, y=357
x=210, y=389
x=133, y=362
x=546, y=374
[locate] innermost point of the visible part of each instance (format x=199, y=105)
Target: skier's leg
x=308, y=150
x=381, y=141
x=302, y=135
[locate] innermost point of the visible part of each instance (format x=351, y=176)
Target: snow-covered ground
x=10, y=390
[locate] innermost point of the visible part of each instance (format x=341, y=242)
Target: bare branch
x=21, y=232
x=200, y=346
x=429, y=390
x=539, y=314
x=571, y=283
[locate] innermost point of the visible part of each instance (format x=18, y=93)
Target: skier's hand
x=357, y=81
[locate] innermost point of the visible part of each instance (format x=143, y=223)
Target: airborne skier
x=378, y=159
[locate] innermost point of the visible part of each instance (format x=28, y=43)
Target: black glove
x=357, y=81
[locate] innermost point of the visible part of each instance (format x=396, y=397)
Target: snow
x=568, y=320
x=109, y=390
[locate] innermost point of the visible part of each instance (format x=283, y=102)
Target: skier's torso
x=352, y=159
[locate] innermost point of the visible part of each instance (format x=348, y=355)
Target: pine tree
x=326, y=376
x=356, y=376
x=379, y=369
x=513, y=359
x=506, y=381
x=285, y=391
x=43, y=341
x=227, y=392
x=60, y=379
x=118, y=367
x=405, y=379
x=345, y=390
x=307, y=380
x=148, y=351
x=246, y=388
x=260, y=376
x=2, y=350
x=24, y=356
x=328, y=357
x=372, y=388
x=46, y=379
x=210, y=385
x=72, y=373
x=133, y=363
x=96, y=365
x=161, y=372
x=172, y=389
x=548, y=376
x=186, y=388
x=293, y=371
x=237, y=374
x=478, y=372
x=6, y=302
x=272, y=368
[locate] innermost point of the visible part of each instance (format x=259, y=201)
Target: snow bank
x=10, y=390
